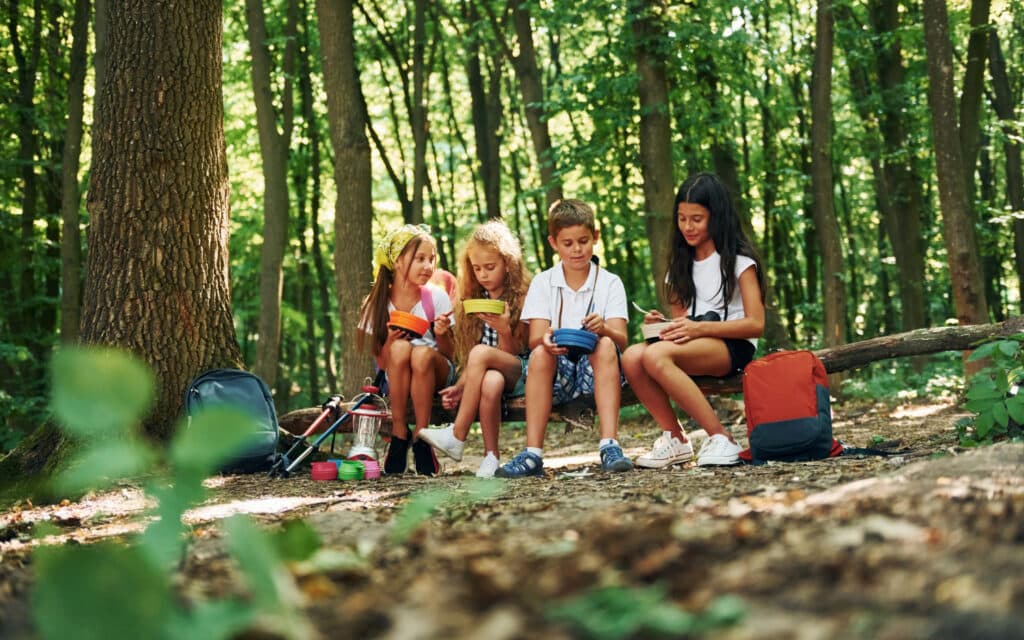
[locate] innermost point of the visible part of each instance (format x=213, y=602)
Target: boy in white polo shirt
x=578, y=294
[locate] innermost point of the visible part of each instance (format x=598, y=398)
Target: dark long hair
x=724, y=228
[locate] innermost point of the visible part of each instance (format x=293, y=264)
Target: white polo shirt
x=550, y=297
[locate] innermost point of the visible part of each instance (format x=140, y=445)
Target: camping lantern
x=366, y=424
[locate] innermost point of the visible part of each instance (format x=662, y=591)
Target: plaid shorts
x=572, y=379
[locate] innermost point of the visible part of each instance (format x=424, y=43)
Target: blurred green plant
x=452, y=503
x=994, y=394
x=109, y=590
x=610, y=613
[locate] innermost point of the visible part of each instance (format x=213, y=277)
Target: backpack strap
x=427, y=299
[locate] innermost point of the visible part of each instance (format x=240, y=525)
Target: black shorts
x=741, y=352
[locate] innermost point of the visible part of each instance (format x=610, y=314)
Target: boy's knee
x=540, y=357
x=604, y=351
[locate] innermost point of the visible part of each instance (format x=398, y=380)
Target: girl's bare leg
x=399, y=377
x=491, y=391
x=670, y=365
x=428, y=367
x=481, y=359
x=648, y=392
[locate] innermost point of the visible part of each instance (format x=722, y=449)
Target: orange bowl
x=409, y=323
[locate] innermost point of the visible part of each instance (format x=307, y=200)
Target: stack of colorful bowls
x=483, y=305
x=578, y=341
x=324, y=471
x=411, y=324
x=372, y=469
x=352, y=470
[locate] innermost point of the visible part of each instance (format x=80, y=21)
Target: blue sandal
x=523, y=465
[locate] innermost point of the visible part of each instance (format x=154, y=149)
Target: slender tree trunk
x=970, y=97
x=486, y=110
x=26, y=58
x=71, y=238
x=320, y=277
x=961, y=243
x=825, y=223
x=419, y=110
x=655, y=135
x=274, y=145
x=901, y=185
x=1004, y=107
x=157, y=280
x=354, y=208
x=525, y=64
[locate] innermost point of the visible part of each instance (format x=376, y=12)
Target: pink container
x=324, y=471
x=372, y=469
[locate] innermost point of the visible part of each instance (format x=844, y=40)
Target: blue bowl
x=578, y=341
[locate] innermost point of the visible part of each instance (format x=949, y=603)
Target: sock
x=537, y=451
x=491, y=454
x=607, y=441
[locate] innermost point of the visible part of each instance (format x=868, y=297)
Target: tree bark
x=486, y=110
x=71, y=237
x=1004, y=107
x=418, y=116
x=961, y=244
x=970, y=96
x=532, y=90
x=274, y=145
x=825, y=223
x=900, y=188
x=157, y=280
x=655, y=135
x=354, y=208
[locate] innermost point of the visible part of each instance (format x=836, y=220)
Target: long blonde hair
x=496, y=236
x=374, y=311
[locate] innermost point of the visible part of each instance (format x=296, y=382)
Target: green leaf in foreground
x=81, y=593
x=99, y=391
x=214, y=435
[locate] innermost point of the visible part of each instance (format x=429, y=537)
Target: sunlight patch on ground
x=919, y=410
x=268, y=505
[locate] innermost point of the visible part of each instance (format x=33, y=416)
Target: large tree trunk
x=903, y=207
x=157, y=280
x=274, y=145
x=961, y=243
x=71, y=237
x=1004, y=107
x=825, y=223
x=655, y=135
x=354, y=207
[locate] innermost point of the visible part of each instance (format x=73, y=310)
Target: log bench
x=580, y=412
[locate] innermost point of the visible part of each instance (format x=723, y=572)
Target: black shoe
x=397, y=456
x=426, y=461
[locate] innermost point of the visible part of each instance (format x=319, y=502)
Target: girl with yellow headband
x=404, y=262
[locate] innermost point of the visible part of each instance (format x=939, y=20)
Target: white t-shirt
x=707, y=278
x=550, y=297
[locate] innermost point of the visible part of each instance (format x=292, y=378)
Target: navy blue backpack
x=250, y=394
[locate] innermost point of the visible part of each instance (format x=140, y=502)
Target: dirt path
x=927, y=544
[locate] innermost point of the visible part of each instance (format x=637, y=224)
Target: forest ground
x=926, y=543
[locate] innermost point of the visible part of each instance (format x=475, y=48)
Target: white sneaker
x=444, y=440
x=718, y=450
x=667, y=451
x=488, y=466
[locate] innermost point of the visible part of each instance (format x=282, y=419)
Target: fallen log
x=580, y=412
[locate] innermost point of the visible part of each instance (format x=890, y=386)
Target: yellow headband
x=388, y=249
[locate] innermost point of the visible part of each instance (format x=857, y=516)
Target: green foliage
x=424, y=504
x=109, y=591
x=610, y=613
x=994, y=394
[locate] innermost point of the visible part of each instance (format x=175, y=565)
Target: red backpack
x=789, y=415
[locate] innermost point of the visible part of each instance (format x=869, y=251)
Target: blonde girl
x=404, y=262
x=491, y=348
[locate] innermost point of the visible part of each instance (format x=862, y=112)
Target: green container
x=351, y=470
